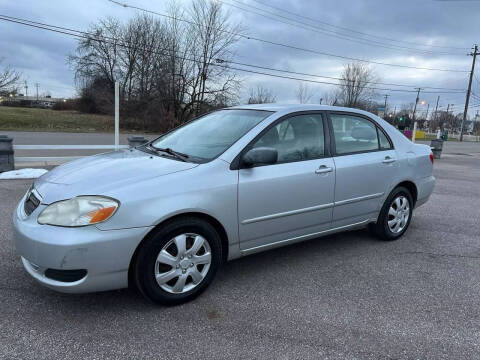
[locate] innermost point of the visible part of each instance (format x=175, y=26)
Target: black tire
x=146, y=259
x=381, y=228
x=372, y=229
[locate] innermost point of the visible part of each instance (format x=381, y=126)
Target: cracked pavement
x=346, y=296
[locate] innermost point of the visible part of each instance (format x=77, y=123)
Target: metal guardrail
x=59, y=159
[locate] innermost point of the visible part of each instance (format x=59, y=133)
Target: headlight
x=79, y=211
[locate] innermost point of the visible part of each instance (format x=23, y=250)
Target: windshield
x=210, y=135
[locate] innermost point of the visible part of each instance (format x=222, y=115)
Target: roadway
x=347, y=296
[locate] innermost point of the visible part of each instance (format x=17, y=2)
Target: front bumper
x=104, y=254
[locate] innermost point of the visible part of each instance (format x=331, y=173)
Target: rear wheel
x=178, y=261
x=395, y=215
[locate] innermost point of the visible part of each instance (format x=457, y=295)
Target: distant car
x=47, y=104
x=165, y=215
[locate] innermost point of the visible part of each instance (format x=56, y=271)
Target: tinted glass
x=296, y=138
x=353, y=134
x=384, y=143
x=210, y=135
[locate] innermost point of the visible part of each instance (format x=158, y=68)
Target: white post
x=414, y=131
x=117, y=115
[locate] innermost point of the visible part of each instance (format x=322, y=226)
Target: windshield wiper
x=178, y=155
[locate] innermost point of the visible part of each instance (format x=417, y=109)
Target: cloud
x=41, y=55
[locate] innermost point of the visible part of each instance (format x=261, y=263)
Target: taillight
x=431, y=157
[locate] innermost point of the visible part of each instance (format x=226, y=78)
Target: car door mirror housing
x=260, y=156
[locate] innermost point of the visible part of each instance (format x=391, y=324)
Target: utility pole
x=416, y=102
x=428, y=108
x=37, y=85
x=395, y=111
x=448, y=108
x=413, y=116
x=436, y=108
x=385, y=106
x=26, y=89
x=467, y=100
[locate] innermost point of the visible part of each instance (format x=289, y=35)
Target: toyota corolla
x=164, y=216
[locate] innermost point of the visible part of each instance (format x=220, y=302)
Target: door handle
x=388, y=160
x=323, y=170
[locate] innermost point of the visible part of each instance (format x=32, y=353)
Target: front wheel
x=178, y=261
x=395, y=215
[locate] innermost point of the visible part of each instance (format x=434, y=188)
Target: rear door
x=365, y=163
x=292, y=198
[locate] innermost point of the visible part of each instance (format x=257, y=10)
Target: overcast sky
x=41, y=55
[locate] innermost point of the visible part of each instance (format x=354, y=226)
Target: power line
x=329, y=83
x=460, y=91
x=327, y=32
x=356, y=31
x=286, y=45
x=460, y=107
x=89, y=36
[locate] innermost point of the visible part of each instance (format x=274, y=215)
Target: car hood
x=103, y=173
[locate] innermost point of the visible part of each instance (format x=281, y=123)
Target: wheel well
x=210, y=219
x=410, y=186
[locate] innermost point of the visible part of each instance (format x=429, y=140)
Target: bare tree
x=330, y=98
x=214, y=37
x=444, y=120
x=304, y=93
x=355, y=91
x=168, y=70
x=476, y=127
x=8, y=78
x=98, y=55
x=261, y=95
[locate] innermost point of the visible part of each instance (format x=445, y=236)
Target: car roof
x=295, y=107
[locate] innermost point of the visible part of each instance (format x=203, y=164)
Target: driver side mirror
x=260, y=156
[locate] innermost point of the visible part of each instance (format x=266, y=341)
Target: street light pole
x=117, y=114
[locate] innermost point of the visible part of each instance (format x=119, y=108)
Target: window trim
x=333, y=148
x=386, y=137
x=236, y=164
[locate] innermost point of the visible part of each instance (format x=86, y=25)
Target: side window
x=297, y=138
x=353, y=134
x=384, y=143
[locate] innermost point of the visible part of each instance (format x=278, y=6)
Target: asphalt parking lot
x=346, y=296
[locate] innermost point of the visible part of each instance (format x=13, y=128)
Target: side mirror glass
x=260, y=156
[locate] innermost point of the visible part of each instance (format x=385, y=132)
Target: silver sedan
x=165, y=215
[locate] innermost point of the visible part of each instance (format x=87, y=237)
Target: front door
x=292, y=198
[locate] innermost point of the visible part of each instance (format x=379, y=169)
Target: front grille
x=65, y=275
x=31, y=203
